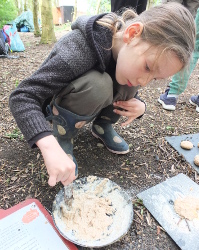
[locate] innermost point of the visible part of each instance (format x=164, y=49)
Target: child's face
x=138, y=63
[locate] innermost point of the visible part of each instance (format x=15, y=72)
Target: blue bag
x=24, y=29
x=15, y=41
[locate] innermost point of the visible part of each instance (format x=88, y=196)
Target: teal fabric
x=16, y=43
x=180, y=80
x=25, y=19
x=197, y=34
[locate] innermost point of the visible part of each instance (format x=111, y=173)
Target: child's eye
x=147, y=68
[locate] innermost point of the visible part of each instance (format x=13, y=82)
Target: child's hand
x=59, y=166
x=133, y=108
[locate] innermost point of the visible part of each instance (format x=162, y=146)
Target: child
x=94, y=71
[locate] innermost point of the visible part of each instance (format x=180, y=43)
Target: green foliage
x=65, y=26
x=152, y=3
x=105, y=6
x=172, y=129
x=8, y=11
x=16, y=83
x=16, y=133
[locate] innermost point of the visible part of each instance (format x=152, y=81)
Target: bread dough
x=98, y=214
x=187, y=207
x=91, y=214
x=196, y=160
x=186, y=144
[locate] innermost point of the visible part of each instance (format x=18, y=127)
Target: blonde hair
x=167, y=26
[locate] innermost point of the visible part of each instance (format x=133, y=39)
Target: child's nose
x=143, y=81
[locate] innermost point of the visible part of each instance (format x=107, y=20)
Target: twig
x=179, y=221
x=4, y=98
x=166, y=152
x=6, y=136
x=163, y=149
x=17, y=186
x=137, y=221
x=140, y=216
x=188, y=225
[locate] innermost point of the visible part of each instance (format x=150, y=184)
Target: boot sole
x=167, y=107
x=112, y=151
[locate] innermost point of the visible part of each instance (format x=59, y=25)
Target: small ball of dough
x=196, y=160
x=186, y=144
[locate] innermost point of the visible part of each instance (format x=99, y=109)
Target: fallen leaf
x=148, y=218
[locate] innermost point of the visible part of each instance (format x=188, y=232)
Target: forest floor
x=151, y=159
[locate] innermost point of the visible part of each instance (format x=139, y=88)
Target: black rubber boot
x=102, y=129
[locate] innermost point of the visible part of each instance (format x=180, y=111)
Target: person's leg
x=102, y=125
x=192, y=6
x=180, y=80
x=194, y=100
x=88, y=94
x=78, y=104
x=177, y=86
x=116, y=5
x=141, y=6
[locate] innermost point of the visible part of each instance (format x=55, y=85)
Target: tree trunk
x=21, y=7
x=35, y=18
x=17, y=5
x=25, y=5
x=48, y=34
x=75, y=11
x=98, y=6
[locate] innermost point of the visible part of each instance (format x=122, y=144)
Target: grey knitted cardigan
x=80, y=50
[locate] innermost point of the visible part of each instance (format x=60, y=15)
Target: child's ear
x=133, y=30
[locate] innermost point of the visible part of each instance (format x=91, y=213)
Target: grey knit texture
x=74, y=54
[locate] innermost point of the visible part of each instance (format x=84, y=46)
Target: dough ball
x=186, y=144
x=196, y=160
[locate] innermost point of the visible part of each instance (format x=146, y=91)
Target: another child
x=94, y=72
